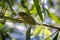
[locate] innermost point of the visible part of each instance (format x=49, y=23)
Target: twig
x=52, y=26
x=55, y=27
x=9, y=18
x=19, y=20
x=51, y=35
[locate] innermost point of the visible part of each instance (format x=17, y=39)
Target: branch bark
x=52, y=26
x=19, y=20
x=9, y=18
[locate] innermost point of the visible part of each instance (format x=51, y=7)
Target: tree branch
x=52, y=26
x=20, y=20
x=9, y=18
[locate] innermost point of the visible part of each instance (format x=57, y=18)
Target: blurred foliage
x=38, y=8
x=1, y=26
x=56, y=36
x=40, y=30
x=54, y=17
x=28, y=33
x=51, y=3
x=27, y=15
x=7, y=14
x=24, y=5
x=33, y=10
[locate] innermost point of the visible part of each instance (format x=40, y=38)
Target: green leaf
x=0, y=38
x=47, y=12
x=28, y=33
x=2, y=34
x=47, y=32
x=2, y=3
x=55, y=18
x=1, y=26
x=37, y=30
x=43, y=8
x=24, y=5
x=56, y=36
x=38, y=8
x=9, y=3
x=7, y=14
x=51, y=3
x=33, y=10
